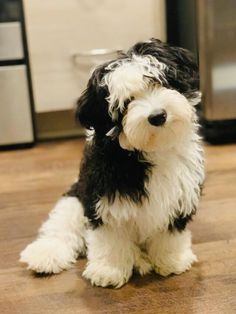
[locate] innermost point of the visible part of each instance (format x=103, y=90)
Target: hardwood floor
x=32, y=180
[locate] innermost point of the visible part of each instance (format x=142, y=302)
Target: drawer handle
x=95, y=53
x=92, y=54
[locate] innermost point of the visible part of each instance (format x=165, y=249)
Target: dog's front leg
x=60, y=240
x=111, y=257
x=171, y=252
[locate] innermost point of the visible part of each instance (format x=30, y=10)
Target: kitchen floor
x=32, y=180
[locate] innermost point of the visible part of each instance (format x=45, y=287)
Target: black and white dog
x=141, y=175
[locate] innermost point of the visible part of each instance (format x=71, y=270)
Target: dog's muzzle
x=158, y=117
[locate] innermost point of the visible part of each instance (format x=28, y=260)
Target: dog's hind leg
x=60, y=240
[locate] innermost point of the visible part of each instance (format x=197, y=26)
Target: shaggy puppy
x=141, y=175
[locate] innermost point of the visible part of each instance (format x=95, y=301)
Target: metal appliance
x=208, y=28
x=16, y=99
x=217, y=55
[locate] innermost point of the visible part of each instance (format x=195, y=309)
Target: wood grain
x=32, y=180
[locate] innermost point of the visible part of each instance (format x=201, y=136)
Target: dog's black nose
x=158, y=117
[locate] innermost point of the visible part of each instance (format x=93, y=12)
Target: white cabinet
x=57, y=29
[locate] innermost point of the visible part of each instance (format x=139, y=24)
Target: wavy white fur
x=61, y=239
x=129, y=76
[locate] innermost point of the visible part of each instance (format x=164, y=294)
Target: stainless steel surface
x=11, y=41
x=15, y=113
x=217, y=51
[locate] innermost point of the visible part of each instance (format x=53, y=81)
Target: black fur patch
x=110, y=171
x=92, y=107
x=182, y=69
x=180, y=222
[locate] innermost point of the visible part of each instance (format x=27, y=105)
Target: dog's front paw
x=106, y=275
x=175, y=263
x=47, y=255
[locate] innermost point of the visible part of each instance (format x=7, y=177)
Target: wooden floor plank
x=30, y=183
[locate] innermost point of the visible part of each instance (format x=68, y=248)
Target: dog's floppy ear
x=181, y=67
x=84, y=110
x=184, y=76
x=184, y=59
x=92, y=106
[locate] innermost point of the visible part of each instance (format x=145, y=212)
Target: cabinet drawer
x=15, y=112
x=11, y=47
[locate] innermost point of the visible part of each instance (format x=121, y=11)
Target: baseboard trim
x=57, y=124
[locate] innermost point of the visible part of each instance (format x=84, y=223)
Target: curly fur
x=140, y=181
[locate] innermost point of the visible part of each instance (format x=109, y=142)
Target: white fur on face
x=129, y=76
x=139, y=134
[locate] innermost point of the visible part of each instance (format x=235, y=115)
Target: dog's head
x=145, y=98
